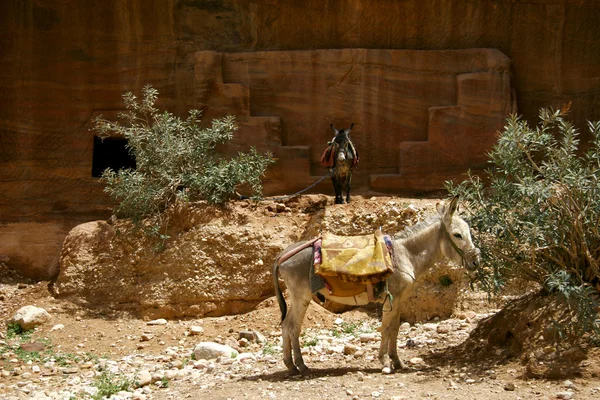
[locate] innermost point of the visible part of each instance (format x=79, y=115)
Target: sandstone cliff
x=64, y=61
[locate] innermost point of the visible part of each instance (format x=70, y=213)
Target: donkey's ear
x=351, y=126
x=447, y=211
x=441, y=208
x=332, y=128
x=453, y=205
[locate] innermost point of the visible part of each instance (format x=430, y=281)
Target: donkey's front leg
x=348, y=185
x=337, y=187
x=388, y=351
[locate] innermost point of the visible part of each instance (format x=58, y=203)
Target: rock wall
x=63, y=61
x=421, y=117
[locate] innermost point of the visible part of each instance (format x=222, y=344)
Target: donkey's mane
x=418, y=227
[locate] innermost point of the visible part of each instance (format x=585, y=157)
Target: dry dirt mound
x=213, y=261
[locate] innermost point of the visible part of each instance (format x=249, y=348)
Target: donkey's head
x=457, y=244
x=342, y=138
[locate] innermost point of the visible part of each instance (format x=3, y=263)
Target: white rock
x=196, y=330
x=29, y=317
x=211, y=350
x=145, y=337
x=443, y=329
x=564, y=395
x=569, y=385
x=246, y=357
x=200, y=364
x=160, y=321
x=417, y=361
x=143, y=378
x=57, y=327
x=368, y=337
x=430, y=327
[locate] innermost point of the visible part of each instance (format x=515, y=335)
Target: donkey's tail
x=278, y=294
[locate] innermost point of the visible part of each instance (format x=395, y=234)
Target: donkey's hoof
x=399, y=365
x=305, y=371
x=386, y=370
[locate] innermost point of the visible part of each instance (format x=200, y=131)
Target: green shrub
x=536, y=212
x=109, y=384
x=175, y=159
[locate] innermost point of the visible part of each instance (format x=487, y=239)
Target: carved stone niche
x=421, y=117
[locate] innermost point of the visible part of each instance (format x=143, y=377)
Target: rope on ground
x=242, y=197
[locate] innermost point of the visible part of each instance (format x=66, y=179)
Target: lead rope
x=242, y=197
x=388, y=295
x=388, y=299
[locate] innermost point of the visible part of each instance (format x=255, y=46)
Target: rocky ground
x=94, y=353
x=87, y=354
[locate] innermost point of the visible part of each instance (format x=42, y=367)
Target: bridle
x=471, y=253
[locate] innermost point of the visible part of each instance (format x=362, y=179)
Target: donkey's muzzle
x=472, y=259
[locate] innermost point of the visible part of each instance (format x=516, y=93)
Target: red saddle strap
x=296, y=250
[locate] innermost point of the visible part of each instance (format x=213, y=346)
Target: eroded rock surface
x=218, y=261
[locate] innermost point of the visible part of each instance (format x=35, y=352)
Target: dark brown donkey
x=340, y=157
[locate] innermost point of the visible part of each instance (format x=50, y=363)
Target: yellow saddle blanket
x=363, y=259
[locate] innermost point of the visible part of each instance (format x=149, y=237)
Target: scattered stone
x=443, y=329
x=368, y=337
x=29, y=317
x=196, y=330
x=252, y=336
x=160, y=321
x=57, y=327
x=143, y=378
x=200, y=364
x=417, y=361
x=146, y=337
x=564, y=395
x=211, y=350
x=350, y=349
x=467, y=315
x=569, y=385
x=509, y=386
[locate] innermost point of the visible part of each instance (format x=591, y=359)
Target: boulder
x=29, y=317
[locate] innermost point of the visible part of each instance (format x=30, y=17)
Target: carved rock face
x=422, y=117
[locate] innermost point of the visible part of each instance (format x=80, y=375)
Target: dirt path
x=340, y=348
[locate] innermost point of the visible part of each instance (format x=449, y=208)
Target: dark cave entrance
x=110, y=153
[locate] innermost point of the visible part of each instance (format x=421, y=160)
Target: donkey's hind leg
x=337, y=187
x=292, y=326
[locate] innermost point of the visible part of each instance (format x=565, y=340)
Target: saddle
x=351, y=265
x=328, y=157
